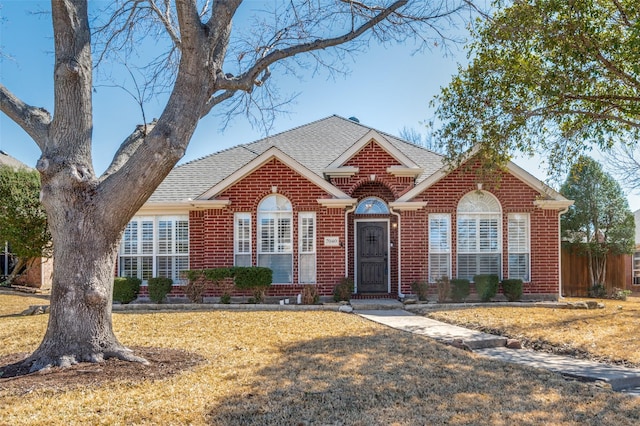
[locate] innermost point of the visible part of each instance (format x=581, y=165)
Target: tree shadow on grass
x=397, y=378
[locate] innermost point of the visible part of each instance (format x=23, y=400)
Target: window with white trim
x=242, y=239
x=155, y=247
x=518, y=246
x=275, y=236
x=479, y=244
x=307, y=248
x=439, y=246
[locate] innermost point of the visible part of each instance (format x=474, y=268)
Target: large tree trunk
x=85, y=244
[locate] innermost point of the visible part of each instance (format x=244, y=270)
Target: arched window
x=372, y=205
x=275, y=236
x=479, y=242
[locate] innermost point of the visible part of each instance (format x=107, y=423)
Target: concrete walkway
x=620, y=378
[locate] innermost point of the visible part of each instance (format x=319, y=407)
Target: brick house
x=334, y=198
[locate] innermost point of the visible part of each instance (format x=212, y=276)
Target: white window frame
x=307, y=248
x=438, y=250
x=474, y=209
x=147, y=254
x=241, y=241
x=519, y=249
x=282, y=244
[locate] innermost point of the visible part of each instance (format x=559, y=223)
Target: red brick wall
x=211, y=231
x=514, y=197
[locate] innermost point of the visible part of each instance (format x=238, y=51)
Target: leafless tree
x=203, y=64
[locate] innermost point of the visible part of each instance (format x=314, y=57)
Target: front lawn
x=609, y=334
x=295, y=368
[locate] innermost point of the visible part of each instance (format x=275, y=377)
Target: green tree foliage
x=600, y=222
x=554, y=77
x=23, y=221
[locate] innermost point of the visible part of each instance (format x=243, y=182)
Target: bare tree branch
x=246, y=80
x=33, y=120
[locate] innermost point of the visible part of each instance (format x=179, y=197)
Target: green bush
x=159, y=287
x=343, y=290
x=486, y=286
x=598, y=290
x=459, y=289
x=126, y=289
x=444, y=288
x=420, y=289
x=512, y=289
x=225, y=298
x=254, y=278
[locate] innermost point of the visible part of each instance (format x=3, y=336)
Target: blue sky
x=387, y=88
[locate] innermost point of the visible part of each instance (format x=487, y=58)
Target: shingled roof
x=7, y=160
x=315, y=145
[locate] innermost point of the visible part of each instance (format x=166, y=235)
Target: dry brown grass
x=290, y=368
x=609, y=334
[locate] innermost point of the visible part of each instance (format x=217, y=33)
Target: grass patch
x=290, y=368
x=609, y=334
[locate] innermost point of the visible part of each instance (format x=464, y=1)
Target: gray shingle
x=315, y=145
x=7, y=160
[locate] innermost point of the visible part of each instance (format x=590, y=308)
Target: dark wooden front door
x=372, y=261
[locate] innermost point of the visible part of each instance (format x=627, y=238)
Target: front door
x=372, y=257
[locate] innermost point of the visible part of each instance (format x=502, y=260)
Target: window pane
x=439, y=234
x=488, y=235
x=280, y=264
x=130, y=239
x=284, y=235
x=466, y=235
x=146, y=267
x=267, y=235
x=438, y=266
x=307, y=268
x=182, y=237
x=242, y=260
x=519, y=266
x=147, y=237
x=165, y=242
x=467, y=266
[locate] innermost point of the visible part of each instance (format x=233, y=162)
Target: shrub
x=486, y=286
x=512, y=289
x=620, y=293
x=126, y=289
x=310, y=295
x=159, y=287
x=194, y=290
x=343, y=290
x=598, y=291
x=444, y=287
x=225, y=298
x=254, y=278
x=421, y=289
x=459, y=289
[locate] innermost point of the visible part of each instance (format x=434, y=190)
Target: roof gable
x=553, y=199
x=314, y=146
x=261, y=160
x=373, y=136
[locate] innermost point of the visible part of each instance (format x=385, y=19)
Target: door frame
x=355, y=251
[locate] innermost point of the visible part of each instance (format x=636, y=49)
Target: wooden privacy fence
x=575, y=274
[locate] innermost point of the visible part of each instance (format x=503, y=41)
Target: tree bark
x=79, y=328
